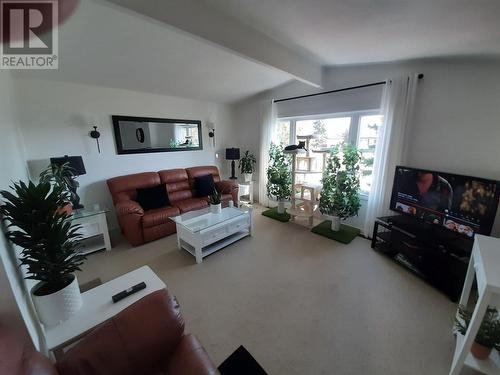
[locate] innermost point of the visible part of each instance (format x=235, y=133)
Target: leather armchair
x=146, y=338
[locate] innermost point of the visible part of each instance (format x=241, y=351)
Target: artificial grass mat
x=345, y=235
x=273, y=214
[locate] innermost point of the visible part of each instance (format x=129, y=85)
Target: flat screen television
x=462, y=204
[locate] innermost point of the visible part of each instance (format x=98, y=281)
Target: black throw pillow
x=204, y=185
x=154, y=197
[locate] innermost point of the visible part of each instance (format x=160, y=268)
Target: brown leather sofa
x=139, y=226
x=146, y=338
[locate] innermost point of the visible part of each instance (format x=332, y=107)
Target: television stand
x=433, y=253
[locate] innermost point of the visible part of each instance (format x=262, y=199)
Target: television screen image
x=462, y=204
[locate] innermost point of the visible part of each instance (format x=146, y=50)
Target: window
x=358, y=128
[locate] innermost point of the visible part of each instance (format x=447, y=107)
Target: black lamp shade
x=232, y=153
x=75, y=162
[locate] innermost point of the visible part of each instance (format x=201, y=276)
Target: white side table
x=94, y=228
x=98, y=307
x=245, y=192
x=485, y=266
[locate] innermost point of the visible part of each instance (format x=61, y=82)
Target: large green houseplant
x=49, y=246
x=488, y=335
x=247, y=165
x=340, y=194
x=279, y=176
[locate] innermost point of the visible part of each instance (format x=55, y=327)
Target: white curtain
x=267, y=134
x=397, y=105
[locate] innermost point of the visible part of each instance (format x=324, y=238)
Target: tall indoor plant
x=340, y=194
x=247, y=165
x=49, y=244
x=62, y=176
x=279, y=176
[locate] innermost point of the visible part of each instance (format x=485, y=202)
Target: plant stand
x=345, y=235
x=484, y=265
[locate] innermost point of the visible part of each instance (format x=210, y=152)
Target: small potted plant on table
x=279, y=176
x=247, y=165
x=49, y=245
x=488, y=335
x=215, y=202
x=340, y=194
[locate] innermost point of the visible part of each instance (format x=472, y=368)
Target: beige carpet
x=299, y=302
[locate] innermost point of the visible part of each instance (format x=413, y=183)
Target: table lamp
x=233, y=154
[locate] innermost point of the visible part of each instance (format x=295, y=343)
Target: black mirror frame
x=119, y=145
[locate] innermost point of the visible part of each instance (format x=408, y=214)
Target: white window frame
x=353, y=128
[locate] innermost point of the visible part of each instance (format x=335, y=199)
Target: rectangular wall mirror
x=136, y=135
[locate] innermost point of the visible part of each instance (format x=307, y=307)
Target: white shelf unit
x=484, y=266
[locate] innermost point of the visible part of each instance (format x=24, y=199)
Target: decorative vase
x=57, y=307
x=247, y=177
x=480, y=351
x=216, y=208
x=335, y=223
x=281, y=207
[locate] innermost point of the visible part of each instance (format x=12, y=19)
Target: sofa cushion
x=153, y=197
x=204, y=185
x=191, y=204
x=158, y=216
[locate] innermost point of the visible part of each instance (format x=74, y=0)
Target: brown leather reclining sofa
x=140, y=226
x=146, y=338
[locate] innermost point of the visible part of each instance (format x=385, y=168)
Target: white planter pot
x=216, y=208
x=335, y=226
x=57, y=307
x=281, y=207
x=247, y=177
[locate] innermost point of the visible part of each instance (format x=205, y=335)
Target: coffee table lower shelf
x=216, y=246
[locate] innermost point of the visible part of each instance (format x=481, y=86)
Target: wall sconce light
x=211, y=131
x=95, y=134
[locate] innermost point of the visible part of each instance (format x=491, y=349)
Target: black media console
x=436, y=254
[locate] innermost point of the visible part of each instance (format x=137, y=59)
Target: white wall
x=56, y=118
x=12, y=168
x=456, y=124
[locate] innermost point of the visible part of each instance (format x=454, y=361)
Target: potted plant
x=62, y=176
x=340, y=194
x=215, y=202
x=279, y=176
x=49, y=245
x=488, y=335
x=247, y=165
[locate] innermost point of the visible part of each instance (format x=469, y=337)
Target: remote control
x=127, y=292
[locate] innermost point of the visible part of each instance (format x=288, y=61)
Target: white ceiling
x=104, y=45
x=363, y=31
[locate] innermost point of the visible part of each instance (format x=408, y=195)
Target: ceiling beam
x=202, y=21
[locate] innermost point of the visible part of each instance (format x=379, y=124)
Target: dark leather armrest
x=226, y=187
x=190, y=358
x=128, y=207
x=139, y=340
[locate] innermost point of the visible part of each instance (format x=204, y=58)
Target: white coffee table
x=202, y=233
